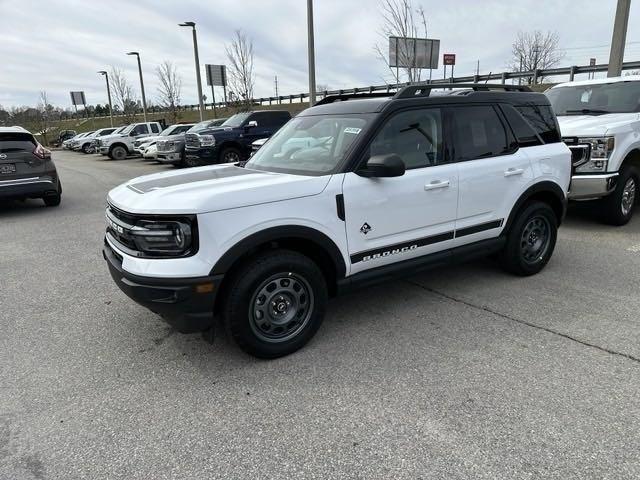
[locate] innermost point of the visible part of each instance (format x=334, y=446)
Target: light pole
x=106, y=77
x=144, y=100
x=311, y=54
x=197, y=60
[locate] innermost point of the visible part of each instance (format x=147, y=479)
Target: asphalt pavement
x=460, y=373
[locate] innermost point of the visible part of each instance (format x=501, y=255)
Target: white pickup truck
x=119, y=146
x=600, y=123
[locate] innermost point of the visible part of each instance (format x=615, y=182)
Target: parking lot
x=456, y=373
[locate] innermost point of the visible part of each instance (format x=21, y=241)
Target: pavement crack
x=524, y=322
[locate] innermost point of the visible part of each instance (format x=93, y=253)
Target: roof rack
x=350, y=96
x=424, y=90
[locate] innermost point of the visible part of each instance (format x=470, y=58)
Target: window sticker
x=353, y=130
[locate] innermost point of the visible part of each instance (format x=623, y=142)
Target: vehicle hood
x=177, y=136
x=110, y=138
x=594, y=125
x=210, y=189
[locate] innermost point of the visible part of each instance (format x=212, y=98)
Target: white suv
x=600, y=122
x=380, y=187
x=120, y=145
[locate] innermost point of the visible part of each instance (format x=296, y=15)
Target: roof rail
x=351, y=96
x=424, y=90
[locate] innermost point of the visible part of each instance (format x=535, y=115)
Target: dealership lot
x=457, y=373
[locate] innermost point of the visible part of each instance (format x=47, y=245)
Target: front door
x=394, y=219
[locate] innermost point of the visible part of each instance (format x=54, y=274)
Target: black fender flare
x=546, y=187
x=273, y=234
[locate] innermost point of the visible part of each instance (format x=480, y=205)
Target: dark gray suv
x=26, y=168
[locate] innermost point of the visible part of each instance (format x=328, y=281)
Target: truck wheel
x=230, y=155
x=190, y=162
x=86, y=148
x=118, y=153
x=531, y=240
x=618, y=206
x=275, y=303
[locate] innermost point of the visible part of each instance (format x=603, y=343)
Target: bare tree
x=170, y=88
x=122, y=92
x=241, y=77
x=401, y=19
x=535, y=50
x=46, y=116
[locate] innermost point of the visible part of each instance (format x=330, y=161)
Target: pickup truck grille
x=192, y=140
x=580, y=152
x=165, y=146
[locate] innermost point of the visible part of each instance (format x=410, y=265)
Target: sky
x=58, y=46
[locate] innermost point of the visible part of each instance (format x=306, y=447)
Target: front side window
x=236, y=120
x=314, y=145
x=415, y=136
x=477, y=133
x=140, y=129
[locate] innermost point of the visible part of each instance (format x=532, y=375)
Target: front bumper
x=184, y=303
x=169, y=157
x=35, y=187
x=203, y=154
x=585, y=187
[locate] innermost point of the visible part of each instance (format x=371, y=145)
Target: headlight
x=163, y=238
x=601, y=149
x=207, y=140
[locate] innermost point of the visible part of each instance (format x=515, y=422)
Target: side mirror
x=379, y=166
x=252, y=124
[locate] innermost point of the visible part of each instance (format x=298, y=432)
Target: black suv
x=231, y=141
x=26, y=168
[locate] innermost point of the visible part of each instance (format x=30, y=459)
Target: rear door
x=493, y=171
x=17, y=160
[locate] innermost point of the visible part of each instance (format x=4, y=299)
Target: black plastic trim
x=479, y=228
x=400, y=247
x=340, y=206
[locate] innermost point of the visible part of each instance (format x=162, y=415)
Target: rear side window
x=478, y=132
x=542, y=119
x=17, y=142
x=154, y=128
x=523, y=131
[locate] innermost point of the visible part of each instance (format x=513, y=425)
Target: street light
x=144, y=100
x=197, y=60
x=106, y=77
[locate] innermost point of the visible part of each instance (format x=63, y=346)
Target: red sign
x=449, y=59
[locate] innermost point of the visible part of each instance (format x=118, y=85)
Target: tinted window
x=106, y=132
x=155, y=128
x=140, y=129
x=478, y=133
x=16, y=142
x=524, y=133
x=415, y=136
x=542, y=119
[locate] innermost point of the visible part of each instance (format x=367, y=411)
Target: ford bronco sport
x=600, y=121
x=355, y=190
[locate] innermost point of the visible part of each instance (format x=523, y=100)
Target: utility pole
x=619, y=38
x=144, y=100
x=277, y=96
x=311, y=54
x=106, y=77
x=197, y=60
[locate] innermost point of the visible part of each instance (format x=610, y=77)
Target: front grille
x=119, y=226
x=192, y=140
x=165, y=146
x=580, y=152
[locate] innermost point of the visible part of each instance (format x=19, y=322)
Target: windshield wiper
x=587, y=111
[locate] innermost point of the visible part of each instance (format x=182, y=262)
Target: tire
x=618, y=206
x=275, y=303
x=118, y=153
x=86, y=148
x=230, y=155
x=190, y=162
x=54, y=200
x=530, y=240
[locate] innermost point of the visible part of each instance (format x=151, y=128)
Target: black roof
x=424, y=94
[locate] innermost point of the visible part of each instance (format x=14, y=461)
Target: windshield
x=128, y=129
x=167, y=131
x=199, y=126
x=236, y=120
x=310, y=145
x=619, y=97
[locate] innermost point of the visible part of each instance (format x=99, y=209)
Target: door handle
x=437, y=184
x=510, y=172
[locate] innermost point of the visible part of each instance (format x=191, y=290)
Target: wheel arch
x=118, y=144
x=547, y=192
x=305, y=240
x=632, y=158
x=231, y=144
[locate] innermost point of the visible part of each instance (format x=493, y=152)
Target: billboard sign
x=216, y=75
x=449, y=59
x=413, y=52
x=78, y=98
x=592, y=62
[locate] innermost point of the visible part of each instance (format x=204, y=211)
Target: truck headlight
x=601, y=148
x=207, y=140
x=163, y=238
